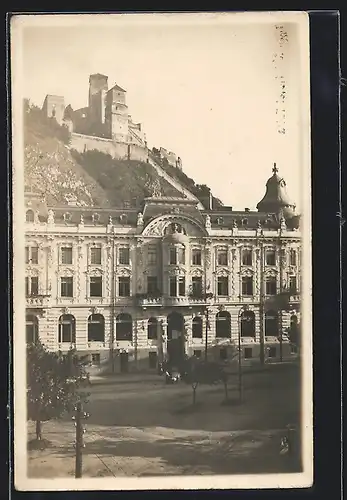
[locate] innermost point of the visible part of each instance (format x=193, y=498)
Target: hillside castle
x=105, y=124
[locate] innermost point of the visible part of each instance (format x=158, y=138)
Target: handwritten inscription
x=278, y=62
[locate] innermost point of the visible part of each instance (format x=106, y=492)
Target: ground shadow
x=245, y=454
x=271, y=400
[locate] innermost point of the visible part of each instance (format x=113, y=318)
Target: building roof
x=276, y=198
x=117, y=87
x=120, y=216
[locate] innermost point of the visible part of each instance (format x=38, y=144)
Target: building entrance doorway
x=124, y=362
x=175, y=339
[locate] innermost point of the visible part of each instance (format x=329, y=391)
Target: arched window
x=96, y=328
x=271, y=324
x=152, y=328
x=67, y=329
x=197, y=327
x=223, y=324
x=247, y=324
x=29, y=216
x=32, y=329
x=124, y=327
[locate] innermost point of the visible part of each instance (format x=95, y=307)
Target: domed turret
x=276, y=199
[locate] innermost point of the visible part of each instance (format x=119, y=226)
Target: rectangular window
x=152, y=357
x=31, y=286
x=152, y=254
x=246, y=257
x=270, y=258
x=222, y=257
x=248, y=352
x=34, y=255
x=272, y=352
x=292, y=284
x=173, y=255
x=95, y=255
x=124, y=256
x=181, y=259
x=34, y=285
x=152, y=284
x=222, y=286
x=247, y=285
x=197, y=286
x=31, y=255
x=66, y=255
x=196, y=257
x=292, y=257
x=96, y=286
x=181, y=286
x=223, y=353
x=66, y=286
x=197, y=353
x=124, y=286
x=173, y=287
x=271, y=286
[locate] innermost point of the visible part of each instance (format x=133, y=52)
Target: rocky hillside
x=89, y=179
x=50, y=168
x=92, y=178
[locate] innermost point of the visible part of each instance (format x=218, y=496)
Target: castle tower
x=98, y=85
x=117, y=116
x=54, y=107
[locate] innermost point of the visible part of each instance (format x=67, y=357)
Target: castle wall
x=118, y=150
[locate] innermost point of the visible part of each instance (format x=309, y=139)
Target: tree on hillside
x=54, y=383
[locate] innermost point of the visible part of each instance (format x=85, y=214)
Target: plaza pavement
x=147, y=428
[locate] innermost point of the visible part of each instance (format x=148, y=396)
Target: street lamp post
x=244, y=308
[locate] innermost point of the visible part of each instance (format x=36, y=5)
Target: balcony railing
x=147, y=300
x=40, y=300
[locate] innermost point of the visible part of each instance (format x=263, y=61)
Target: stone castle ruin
x=105, y=124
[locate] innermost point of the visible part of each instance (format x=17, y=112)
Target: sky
x=204, y=87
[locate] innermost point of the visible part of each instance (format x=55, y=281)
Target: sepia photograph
x=161, y=251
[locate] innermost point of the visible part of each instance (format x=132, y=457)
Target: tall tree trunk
x=38, y=430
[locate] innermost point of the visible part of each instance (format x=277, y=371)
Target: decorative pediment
x=66, y=271
x=32, y=271
x=177, y=271
x=124, y=271
x=224, y=271
x=95, y=271
x=272, y=272
x=160, y=225
x=247, y=271
x=196, y=272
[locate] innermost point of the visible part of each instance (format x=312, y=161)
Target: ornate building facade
x=128, y=289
